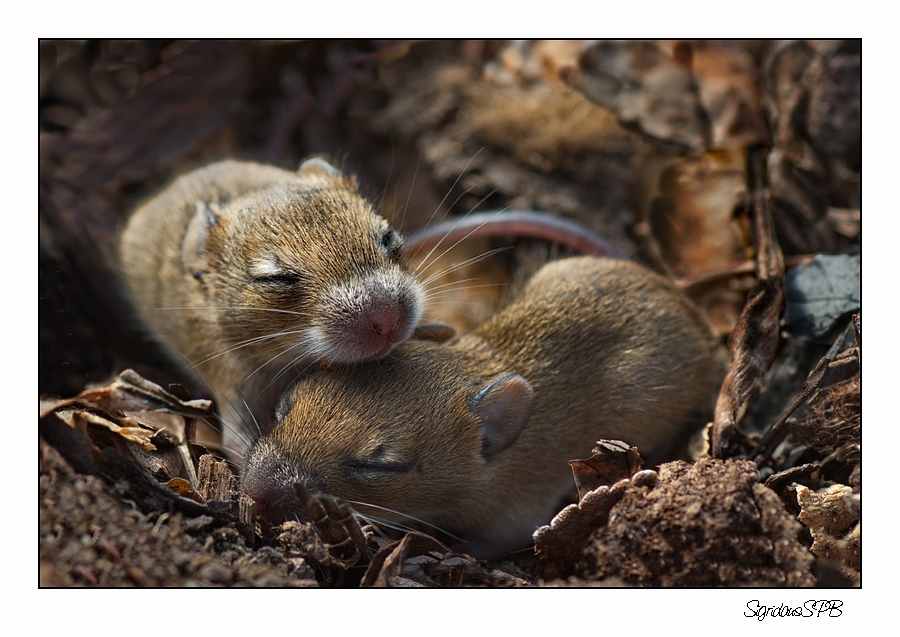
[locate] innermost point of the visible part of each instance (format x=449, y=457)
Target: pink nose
x=384, y=321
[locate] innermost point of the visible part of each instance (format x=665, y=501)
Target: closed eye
x=378, y=469
x=268, y=270
x=281, y=279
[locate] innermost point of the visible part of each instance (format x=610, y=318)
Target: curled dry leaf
x=692, y=229
x=131, y=392
x=647, y=88
x=126, y=447
x=728, y=84
x=183, y=487
x=140, y=412
x=692, y=213
x=125, y=428
x=613, y=460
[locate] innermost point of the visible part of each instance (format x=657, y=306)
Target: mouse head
x=410, y=435
x=305, y=267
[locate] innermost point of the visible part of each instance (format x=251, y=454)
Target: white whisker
x=235, y=307
x=462, y=264
x=249, y=341
x=453, y=185
x=407, y=516
x=424, y=264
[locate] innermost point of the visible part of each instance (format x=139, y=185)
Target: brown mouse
x=474, y=436
x=249, y=273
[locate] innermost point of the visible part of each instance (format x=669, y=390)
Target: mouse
x=250, y=274
x=473, y=435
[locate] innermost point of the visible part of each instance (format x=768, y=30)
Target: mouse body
x=249, y=274
x=474, y=436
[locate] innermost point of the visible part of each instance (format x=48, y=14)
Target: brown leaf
x=136, y=433
x=184, y=488
x=537, y=59
x=813, y=102
x=692, y=211
x=695, y=94
x=729, y=89
x=131, y=392
x=613, y=460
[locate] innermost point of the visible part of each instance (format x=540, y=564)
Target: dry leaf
x=131, y=392
x=647, y=88
x=613, y=460
x=183, y=487
x=692, y=216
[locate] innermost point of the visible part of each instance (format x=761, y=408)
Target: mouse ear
x=502, y=408
x=437, y=332
x=317, y=165
x=193, y=248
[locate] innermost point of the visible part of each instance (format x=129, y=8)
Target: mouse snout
x=364, y=319
x=269, y=480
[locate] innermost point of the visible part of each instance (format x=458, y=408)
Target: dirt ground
x=731, y=167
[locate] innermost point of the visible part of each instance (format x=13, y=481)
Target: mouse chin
x=366, y=336
x=364, y=345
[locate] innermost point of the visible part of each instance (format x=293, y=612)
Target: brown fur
x=244, y=271
x=443, y=432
